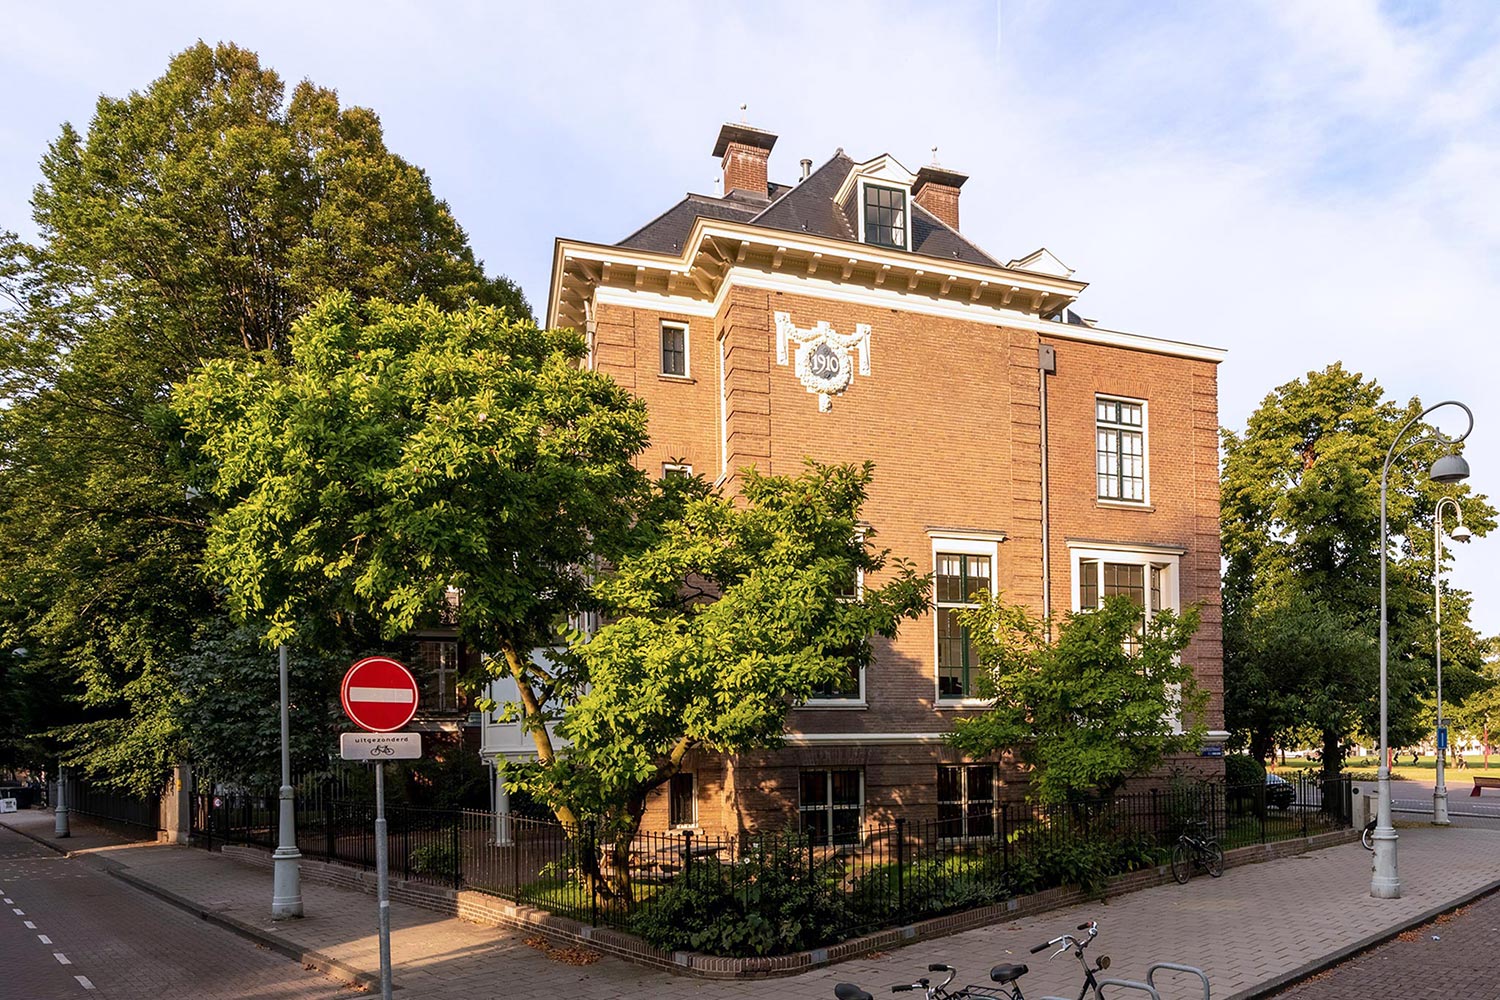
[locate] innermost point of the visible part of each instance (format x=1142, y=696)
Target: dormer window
x=885, y=217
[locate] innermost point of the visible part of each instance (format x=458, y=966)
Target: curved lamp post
x=1460, y=534
x=1450, y=468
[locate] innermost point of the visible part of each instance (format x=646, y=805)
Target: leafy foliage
x=1089, y=710
x=731, y=614
x=1301, y=525
x=770, y=901
x=194, y=220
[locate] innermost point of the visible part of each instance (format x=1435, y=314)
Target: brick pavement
x=1449, y=959
x=1250, y=930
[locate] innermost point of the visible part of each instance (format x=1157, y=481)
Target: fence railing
x=112, y=806
x=891, y=873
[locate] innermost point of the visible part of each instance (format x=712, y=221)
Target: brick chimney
x=936, y=190
x=745, y=151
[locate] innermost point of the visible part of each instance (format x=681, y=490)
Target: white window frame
x=865, y=182
x=1145, y=502
x=676, y=469
x=444, y=679
x=857, y=700
x=692, y=823
x=972, y=544
x=687, y=353
x=1167, y=558
x=827, y=805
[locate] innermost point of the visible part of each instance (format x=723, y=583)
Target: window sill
x=1123, y=505
x=835, y=705
x=688, y=379
x=963, y=704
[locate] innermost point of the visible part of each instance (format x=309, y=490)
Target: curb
x=308, y=958
x=1271, y=987
x=39, y=840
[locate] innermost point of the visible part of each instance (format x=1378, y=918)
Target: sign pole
x=382, y=883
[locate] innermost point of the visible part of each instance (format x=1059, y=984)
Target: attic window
x=885, y=216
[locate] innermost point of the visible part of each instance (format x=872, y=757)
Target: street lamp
x=1450, y=468
x=286, y=875
x=1460, y=534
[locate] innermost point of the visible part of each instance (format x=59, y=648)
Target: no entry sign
x=379, y=694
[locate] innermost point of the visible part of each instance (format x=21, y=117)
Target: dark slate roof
x=807, y=207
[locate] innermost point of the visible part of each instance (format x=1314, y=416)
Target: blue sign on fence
x=1212, y=750
x=1442, y=737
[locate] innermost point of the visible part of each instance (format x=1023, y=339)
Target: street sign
x=379, y=694
x=1442, y=738
x=7, y=805
x=380, y=746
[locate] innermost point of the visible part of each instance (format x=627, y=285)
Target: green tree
x=1300, y=526
x=1093, y=708
x=194, y=220
x=738, y=609
x=404, y=454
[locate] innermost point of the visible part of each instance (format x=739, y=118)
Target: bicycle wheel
x=1213, y=858
x=1182, y=863
x=1366, y=838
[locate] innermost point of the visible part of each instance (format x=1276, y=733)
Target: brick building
x=1016, y=446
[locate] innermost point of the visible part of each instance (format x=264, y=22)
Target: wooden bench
x=1481, y=781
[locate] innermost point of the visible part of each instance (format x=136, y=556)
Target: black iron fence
x=890, y=873
x=112, y=806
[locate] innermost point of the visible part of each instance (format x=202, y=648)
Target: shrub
x=769, y=902
x=1242, y=769
x=434, y=861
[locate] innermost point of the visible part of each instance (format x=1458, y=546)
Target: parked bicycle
x=1196, y=849
x=1007, y=977
x=1367, y=836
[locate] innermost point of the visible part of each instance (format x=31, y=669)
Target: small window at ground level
x=966, y=801
x=683, y=800
x=673, y=349
x=830, y=807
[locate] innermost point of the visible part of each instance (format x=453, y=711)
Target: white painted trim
x=905, y=189
x=969, y=312
x=966, y=534
x=1145, y=406
x=1146, y=547
x=862, y=739
x=884, y=168
x=676, y=468
x=1145, y=555
x=636, y=298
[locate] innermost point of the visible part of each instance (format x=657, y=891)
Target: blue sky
x=1298, y=182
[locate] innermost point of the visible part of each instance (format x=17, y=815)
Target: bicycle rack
x=1156, y=967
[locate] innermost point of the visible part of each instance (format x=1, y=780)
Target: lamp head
x=1460, y=533
x=1449, y=469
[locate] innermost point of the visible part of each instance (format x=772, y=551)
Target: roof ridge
x=793, y=189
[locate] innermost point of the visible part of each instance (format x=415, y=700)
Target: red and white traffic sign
x=379, y=694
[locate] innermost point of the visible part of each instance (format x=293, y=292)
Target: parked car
x=1279, y=792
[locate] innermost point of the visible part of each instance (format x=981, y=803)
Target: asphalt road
x=68, y=930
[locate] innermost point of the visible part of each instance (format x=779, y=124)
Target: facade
x=1017, y=447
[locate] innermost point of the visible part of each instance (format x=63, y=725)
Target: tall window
x=1142, y=583
x=830, y=806
x=966, y=801
x=1121, y=432
x=959, y=578
x=673, y=349
x=437, y=667
x=847, y=687
x=682, y=800
x=885, y=216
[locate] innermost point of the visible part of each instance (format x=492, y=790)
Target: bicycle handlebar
x=1041, y=947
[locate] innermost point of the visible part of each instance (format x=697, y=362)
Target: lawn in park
x=1425, y=767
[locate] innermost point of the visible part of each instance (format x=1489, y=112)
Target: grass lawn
x=1426, y=767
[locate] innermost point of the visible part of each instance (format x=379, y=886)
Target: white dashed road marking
x=61, y=958
x=8, y=900
x=18, y=911
x=29, y=925
x=44, y=939
x=84, y=982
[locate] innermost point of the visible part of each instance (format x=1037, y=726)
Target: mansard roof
x=808, y=207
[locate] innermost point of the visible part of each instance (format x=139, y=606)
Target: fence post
x=687, y=856
x=900, y=867
x=593, y=848
x=1005, y=835
x=1302, y=793
x=458, y=865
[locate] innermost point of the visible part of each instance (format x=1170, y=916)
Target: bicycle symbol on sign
x=382, y=750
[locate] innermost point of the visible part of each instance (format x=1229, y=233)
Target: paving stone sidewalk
x=1251, y=930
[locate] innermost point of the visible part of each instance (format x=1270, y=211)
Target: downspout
x=590, y=328
x=1046, y=364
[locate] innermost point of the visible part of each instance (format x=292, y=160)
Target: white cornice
x=1092, y=543
x=863, y=739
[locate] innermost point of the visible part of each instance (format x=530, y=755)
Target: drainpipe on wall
x=590, y=325
x=1046, y=364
